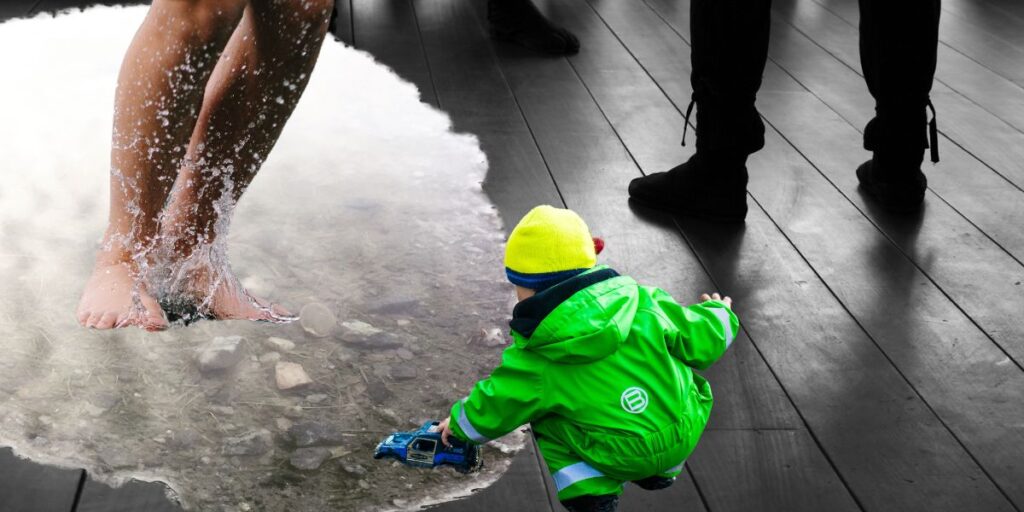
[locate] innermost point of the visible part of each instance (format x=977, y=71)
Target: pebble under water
x=368, y=219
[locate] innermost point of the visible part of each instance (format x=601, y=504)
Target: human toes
x=106, y=321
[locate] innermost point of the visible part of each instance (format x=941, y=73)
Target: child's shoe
x=520, y=22
x=707, y=187
x=894, y=182
x=602, y=503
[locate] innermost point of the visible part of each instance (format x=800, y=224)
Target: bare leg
x=158, y=94
x=253, y=91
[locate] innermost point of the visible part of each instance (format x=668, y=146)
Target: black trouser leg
x=898, y=46
x=729, y=47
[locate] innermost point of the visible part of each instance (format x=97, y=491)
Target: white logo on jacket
x=634, y=400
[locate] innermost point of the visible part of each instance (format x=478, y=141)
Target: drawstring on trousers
x=933, y=134
x=686, y=120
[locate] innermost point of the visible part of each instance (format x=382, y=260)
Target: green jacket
x=604, y=366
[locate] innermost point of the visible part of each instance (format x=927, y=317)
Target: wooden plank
x=888, y=446
x=133, y=496
x=388, y=30
x=341, y=21
x=986, y=200
x=15, y=8
x=611, y=15
x=982, y=36
x=29, y=487
x=774, y=460
x=520, y=488
x=960, y=372
x=472, y=90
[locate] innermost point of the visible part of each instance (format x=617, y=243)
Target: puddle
x=368, y=218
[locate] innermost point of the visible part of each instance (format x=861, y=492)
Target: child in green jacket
x=601, y=367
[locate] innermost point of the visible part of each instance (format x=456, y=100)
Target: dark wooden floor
x=882, y=363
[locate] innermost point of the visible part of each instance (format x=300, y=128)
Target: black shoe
x=654, y=483
x=707, y=188
x=897, y=185
x=520, y=22
x=602, y=503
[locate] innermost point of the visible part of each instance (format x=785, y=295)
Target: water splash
x=368, y=215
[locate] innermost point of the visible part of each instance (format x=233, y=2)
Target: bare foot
x=113, y=299
x=232, y=302
x=217, y=294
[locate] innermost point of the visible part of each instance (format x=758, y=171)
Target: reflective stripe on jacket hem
x=574, y=473
x=468, y=428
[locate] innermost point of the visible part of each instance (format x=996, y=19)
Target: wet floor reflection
x=367, y=218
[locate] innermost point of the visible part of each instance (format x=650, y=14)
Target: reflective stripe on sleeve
x=574, y=473
x=673, y=469
x=723, y=316
x=468, y=428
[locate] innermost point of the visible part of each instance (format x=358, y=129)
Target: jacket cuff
x=726, y=317
x=461, y=426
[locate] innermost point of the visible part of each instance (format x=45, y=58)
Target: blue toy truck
x=423, y=448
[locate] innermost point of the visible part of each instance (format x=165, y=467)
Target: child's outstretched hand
x=445, y=431
x=704, y=297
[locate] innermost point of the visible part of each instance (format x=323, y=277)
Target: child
x=601, y=367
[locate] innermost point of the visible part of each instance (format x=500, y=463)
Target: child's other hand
x=445, y=431
x=713, y=296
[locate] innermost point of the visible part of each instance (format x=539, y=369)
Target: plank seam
x=423, y=50
x=927, y=275
x=78, y=491
x=936, y=78
x=519, y=108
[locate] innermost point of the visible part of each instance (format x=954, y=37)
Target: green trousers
x=574, y=477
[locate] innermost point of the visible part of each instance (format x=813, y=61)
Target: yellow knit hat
x=549, y=245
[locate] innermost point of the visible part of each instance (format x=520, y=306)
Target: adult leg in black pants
x=898, y=45
x=730, y=41
x=729, y=47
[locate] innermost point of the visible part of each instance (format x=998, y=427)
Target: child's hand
x=445, y=431
x=713, y=296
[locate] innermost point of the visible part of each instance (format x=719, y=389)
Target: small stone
x=317, y=398
x=317, y=319
x=363, y=484
x=405, y=353
x=360, y=328
x=314, y=434
x=293, y=412
x=290, y=376
x=402, y=372
x=280, y=344
x=493, y=337
x=221, y=353
x=308, y=459
x=283, y=423
x=223, y=410
x=252, y=443
x=270, y=358
x=354, y=469
x=398, y=502
x=402, y=322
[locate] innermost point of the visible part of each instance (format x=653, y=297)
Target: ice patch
x=369, y=210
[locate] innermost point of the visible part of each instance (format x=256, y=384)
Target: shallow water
x=369, y=212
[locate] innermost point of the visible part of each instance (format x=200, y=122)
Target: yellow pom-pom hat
x=548, y=246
